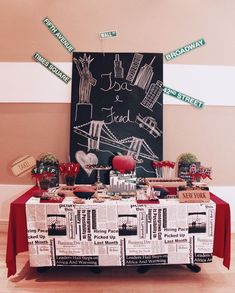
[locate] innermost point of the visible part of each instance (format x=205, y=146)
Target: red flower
x=70, y=169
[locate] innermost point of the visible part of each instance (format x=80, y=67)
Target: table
x=18, y=240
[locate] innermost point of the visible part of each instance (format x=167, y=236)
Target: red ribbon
x=43, y=174
x=197, y=175
x=160, y=164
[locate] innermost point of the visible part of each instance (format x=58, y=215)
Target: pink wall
x=144, y=26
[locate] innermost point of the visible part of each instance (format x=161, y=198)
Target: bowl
x=85, y=192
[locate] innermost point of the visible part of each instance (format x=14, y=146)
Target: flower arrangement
x=69, y=171
x=187, y=158
x=43, y=175
x=201, y=173
x=46, y=163
x=43, y=172
x=48, y=159
x=185, y=162
x=164, y=169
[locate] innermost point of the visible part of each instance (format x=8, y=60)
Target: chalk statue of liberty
x=86, y=78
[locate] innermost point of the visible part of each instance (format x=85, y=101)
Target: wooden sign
x=23, y=165
x=194, y=196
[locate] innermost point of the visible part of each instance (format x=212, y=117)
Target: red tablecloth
x=222, y=233
x=17, y=230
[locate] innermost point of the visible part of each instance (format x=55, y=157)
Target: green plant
x=48, y=159
x=187, y=158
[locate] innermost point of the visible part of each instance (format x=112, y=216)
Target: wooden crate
x=175, y=182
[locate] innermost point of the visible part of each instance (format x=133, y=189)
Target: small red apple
x=123, y=164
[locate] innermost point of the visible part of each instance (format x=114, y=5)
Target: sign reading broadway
x=187, y=48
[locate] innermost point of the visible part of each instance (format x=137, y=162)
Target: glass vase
x=44, y=184
x=70, y=180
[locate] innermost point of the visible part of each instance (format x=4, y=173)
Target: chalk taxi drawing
x=149, y=124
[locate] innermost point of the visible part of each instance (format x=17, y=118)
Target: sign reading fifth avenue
x=55, y=31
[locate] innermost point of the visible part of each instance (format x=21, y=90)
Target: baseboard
x=232, y=227
x=227, y=194
x=9, y=192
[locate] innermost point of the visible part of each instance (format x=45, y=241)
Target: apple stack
x=123, y=177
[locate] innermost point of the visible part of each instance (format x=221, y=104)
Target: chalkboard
x=116, y=106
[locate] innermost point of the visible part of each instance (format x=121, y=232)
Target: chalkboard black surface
x=116, y=106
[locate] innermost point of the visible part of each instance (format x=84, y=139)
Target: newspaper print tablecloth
x=119, y=233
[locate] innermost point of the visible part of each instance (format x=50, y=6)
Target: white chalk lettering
x=114, y=85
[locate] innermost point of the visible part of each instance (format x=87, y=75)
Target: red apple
x=123, y=164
